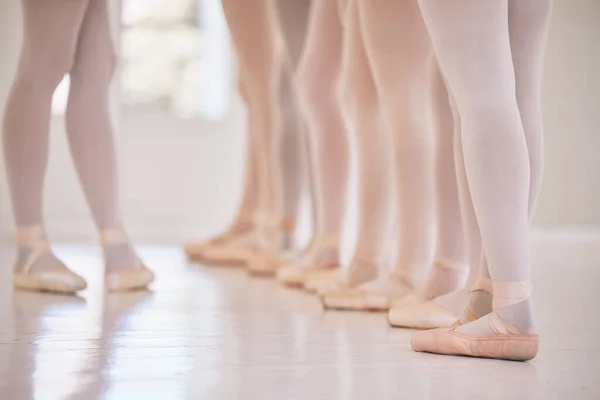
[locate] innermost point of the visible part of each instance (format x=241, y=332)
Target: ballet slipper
x=426, y=314
x=505, y=342
x=358, y=272
x=265, y=265
x=266, y=241
x=242, y=225
x=320, y=279
x=295, y=274
x=135, y=277
x=373, y=296
x=432, y=291
x=56, y=280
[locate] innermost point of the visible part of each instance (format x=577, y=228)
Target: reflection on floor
x=209, y=333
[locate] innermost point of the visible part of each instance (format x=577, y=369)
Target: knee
x=99, y=68
x=46, y=69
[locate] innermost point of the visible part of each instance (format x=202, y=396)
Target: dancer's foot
x=376, y=295
x=241, y=226
x=124, y=270
x=324, y=255
x=358, y=272
x=269, y=238
x=508, y=332
x=38, y=269
x=443, y=311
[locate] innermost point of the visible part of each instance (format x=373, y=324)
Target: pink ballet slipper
x=505, y=342
x=425, y=314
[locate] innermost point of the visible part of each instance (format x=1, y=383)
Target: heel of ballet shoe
x=137, y=277
x=61, y=281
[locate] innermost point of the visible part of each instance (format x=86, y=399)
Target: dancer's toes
x=357, y=273
x=424, y=315
x=376, y=295
x=316, y=281
x=264, y=264
x=242, y=226
x=353, y=299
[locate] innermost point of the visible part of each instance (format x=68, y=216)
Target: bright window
x=175, y=58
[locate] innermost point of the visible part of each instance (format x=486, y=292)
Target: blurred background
x=180, y=123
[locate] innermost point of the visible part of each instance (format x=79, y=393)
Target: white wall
x=184, y=177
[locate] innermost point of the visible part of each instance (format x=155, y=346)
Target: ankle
x=480, y=303
x=445, y=276
x=520, y=315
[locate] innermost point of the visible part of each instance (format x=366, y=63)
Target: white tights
x=63, y=37
x=317, y=77
x=399, y=50
x=480, y=46
x=374, y=154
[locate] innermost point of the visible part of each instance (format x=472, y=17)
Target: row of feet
x=478, y=329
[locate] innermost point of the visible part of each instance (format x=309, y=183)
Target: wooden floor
x=208, y=333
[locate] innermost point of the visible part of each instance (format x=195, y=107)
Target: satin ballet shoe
x=295, y=274
x=269, y=238
x=264, y=265
x=243, y=224
x=506, y=341
x=234, y=254
x=135, y=277
x=426, y=314
x=358, y=272
x=56, y=280
x=320, y=279
x=372, y=296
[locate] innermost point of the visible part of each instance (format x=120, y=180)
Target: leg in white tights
x=317, y=77
x=244, y=221
x=61, y=38
x=89, y=128
x=374, y=163
x=399, y=50
x=254, y=31
x=481, y=75
x=528, y=31
x=50, y=32
x=374, y=155
x=449, y=271
x=293, y=18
